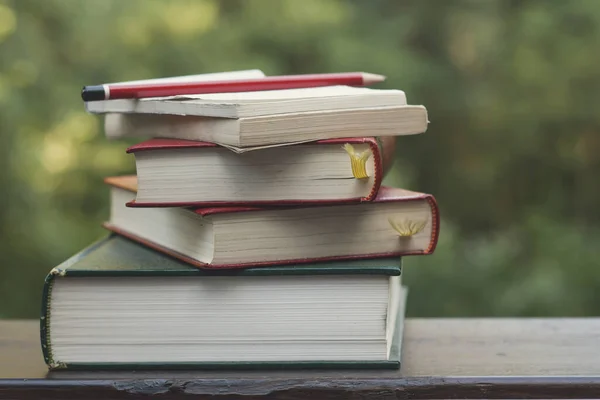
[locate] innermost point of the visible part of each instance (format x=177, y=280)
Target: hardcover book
x=118, y=304
x=397, y=222
x=174, y=172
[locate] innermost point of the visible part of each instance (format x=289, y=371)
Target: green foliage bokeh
x=512, y=153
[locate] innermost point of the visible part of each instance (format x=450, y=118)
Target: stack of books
x=255, y=233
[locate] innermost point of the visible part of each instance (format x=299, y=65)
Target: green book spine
x=47, y=294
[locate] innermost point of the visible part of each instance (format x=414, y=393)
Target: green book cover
x=116, y=256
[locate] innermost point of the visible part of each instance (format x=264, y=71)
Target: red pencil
x=121, y=91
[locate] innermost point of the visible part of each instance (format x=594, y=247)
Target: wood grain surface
x=442, y=358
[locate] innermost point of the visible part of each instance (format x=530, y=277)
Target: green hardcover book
x=121, y=305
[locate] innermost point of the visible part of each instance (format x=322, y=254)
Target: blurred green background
x=512, y=153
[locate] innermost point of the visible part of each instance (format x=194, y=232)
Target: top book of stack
x=265, y=118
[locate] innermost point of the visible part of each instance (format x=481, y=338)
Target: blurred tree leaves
x=512, y=153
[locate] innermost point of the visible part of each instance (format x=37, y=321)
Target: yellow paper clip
x=407, y=228
x=358, y=161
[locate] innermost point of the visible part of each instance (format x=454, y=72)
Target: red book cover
x=385, y=195
x=382, y=150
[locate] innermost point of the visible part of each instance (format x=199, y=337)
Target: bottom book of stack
x=118, y=304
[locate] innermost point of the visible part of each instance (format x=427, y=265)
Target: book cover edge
x=45, y=316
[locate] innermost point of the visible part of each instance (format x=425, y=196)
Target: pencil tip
x=372, y=78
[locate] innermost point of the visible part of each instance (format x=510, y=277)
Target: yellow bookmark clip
x=358, y=161
x=407, y=228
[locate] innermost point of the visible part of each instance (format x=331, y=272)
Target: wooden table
x=442, y=358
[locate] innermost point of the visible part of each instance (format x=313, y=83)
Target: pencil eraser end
x=93, y=93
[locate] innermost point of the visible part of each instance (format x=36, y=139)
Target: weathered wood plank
x=442, y=358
